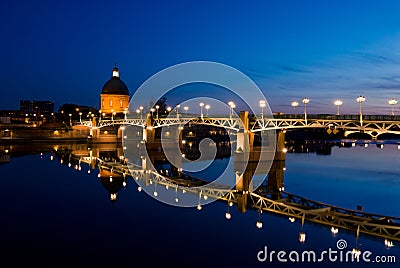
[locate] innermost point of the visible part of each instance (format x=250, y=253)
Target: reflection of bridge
x=350, y=124
x=279, y=202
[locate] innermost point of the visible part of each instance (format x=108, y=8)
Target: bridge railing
x=339, y=117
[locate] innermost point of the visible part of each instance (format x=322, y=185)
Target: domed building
x=114, y=95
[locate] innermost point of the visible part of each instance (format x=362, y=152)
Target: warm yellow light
x=334, y=230
x=228, y=215
x=360, y=99
x=199, y=207
x=302, y=237
x=338, y=102
x=259, y=225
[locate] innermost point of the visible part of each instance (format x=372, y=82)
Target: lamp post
x=305, y=102
x=338, y=103
x=70, y=120
x=138, y=112
x=80, y=117
x=231, y=107
x=207, y=108
x=100, y=115
x=186, y=108
x=262, y=105
x=392, y=102
x=360, y=100
x=152, y=111
x=294, y=105
x=141, y=111
x=125, y=112
x=157, y=107
x=201, y=109
x=177, y=111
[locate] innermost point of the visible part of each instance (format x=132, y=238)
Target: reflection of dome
x=112, y=182
x=115, y=85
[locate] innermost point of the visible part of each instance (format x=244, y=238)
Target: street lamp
x=157, y=107
x=100, y=114
x=70, y=120
x=338, y=103
x=305, y=102
x=186, y=108
x=262, y=105
x=392, y=102
x=201, y=109
x=169, y=109
x=360, y=100
x=294, y=105
x=231, y=107
x=125, y=112
x=177, y=111
x=152, y=111
x=80, y=117
x=207, y=108
x=138, y=112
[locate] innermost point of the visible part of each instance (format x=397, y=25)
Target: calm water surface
x=55, y=216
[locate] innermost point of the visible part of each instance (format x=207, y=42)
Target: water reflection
x=110, y=165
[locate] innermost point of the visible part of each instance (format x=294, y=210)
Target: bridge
x=372, y=125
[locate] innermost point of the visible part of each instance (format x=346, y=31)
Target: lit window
x=121, y=103
x=111, y=103
x=102, y=103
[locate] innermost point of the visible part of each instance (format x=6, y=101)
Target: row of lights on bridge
x=360, y=99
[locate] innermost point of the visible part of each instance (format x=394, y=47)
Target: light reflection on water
x=349, y=177
x=49, y=207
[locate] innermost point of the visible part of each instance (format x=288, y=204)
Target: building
x=37, y=107
x=114, y=96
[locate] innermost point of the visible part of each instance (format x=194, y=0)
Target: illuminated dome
x=115, y=85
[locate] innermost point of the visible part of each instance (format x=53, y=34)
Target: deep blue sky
x=64, y=50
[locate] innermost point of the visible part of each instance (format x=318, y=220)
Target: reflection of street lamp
x=80, y=117
x=262, y=105
x=207, y=108
x=360, y=100
x=294, y=105
x=157, y=107
x=305, y=102
x=392, y=102
x=201, y=109
x=338, y=103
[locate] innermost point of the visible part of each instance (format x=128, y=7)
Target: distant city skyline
x=324, y=50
